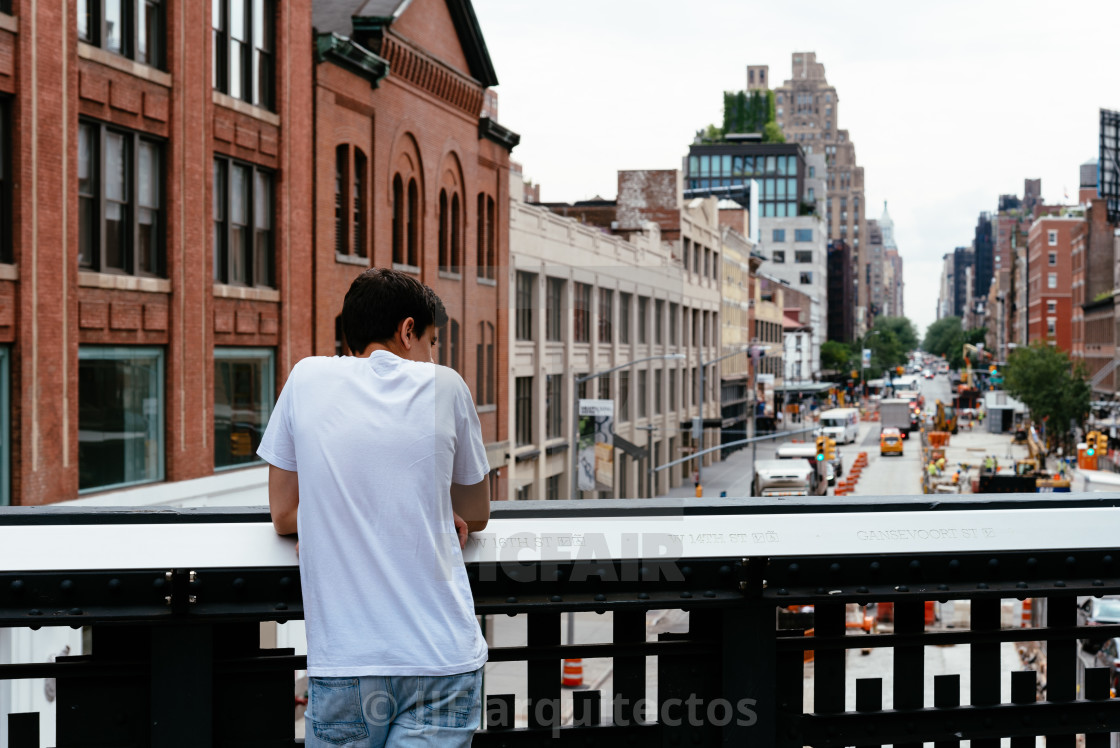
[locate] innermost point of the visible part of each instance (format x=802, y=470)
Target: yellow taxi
x=890, y=442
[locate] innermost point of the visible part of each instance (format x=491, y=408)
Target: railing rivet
x=874, y=566
x=686, y=571
x=794, y=568
x=600, y=597
x=279, y=606
x=993, y=563
x=724, y=570
x=1032, y=562
x=1098, y=583
x=902, y=588
x=783, y=591
x=556, y=599
x=16, y=586
x=75, y=611
x=643, y=596
x=916, y=564
x=1021, y=585
x=709, y=593
x=114, y=585
x=1107, y=559
x=34, y=612
x=285, y=582
x=862, y=589
x=982, y=586
x=954, y=564
x=834, y=567
x=686, y=594
x=66, y=585
x=1071, y=560
x=511, y=599
x=1059, y=583
x=239, y=584
x=558, y=574
x=943, y=587
x=822, y=591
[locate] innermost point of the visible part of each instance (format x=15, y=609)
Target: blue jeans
x=398, y=710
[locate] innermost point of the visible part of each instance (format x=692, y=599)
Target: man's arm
x=283, y=499
x=472, y=503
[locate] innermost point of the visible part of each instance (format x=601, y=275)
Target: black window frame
x=555, y=290
x=97, y=244
x=258, y=64
x=624, y=302
x=154, y=18
x=554, y=406
x=525, y=290
x=523, y=410
x=581, y=312
x=224, y=260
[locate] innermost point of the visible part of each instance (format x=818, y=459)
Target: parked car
x=1108, y=656
x=1096, y=612
x=890, y=442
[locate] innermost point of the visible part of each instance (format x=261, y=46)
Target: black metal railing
x=176, y=657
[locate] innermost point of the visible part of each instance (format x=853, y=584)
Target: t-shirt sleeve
x=278, y=446
x=471, y=465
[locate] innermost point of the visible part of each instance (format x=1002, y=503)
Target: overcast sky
x=949, y=104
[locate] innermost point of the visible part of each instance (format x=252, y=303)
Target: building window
x=779, y=256
x=523, y=388
x=659, y=322
x=242, y=224
x=672, y=390
x=1051, y=326
x=119, y=202
x=1051, y=280
x=120, y=416
x=623, y=396
x=658, y=390
x=350, y=201
x=243, y=49
x=244, y=391
x=803, y=255
x=553, y=410
x=406, y=223
x=450, y=233
x=643, y=320
x=131, y=28
x=1051, y=306
x=606, y=302
x=605, y=387
x=485, y=365
x=806, y=278
x=1052, y=237
x=525, y=492
x=803, y=235
x=581, y=313
x=553, y=487
x=447, y=340
x=526, y=286
x=624, y=302
x=554, y=311
x=674, y=324
x=487, y=241
x=643, y=393
x=778, y=235
x=5, y=184
x=1053, y=259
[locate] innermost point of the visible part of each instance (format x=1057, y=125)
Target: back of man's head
x=379, y=299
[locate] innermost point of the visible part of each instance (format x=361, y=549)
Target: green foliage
x=941, y=336
x=1054, y=390
x=743, y=112
x=835, y=356
x=772, y=133
x=1102, y=295
x=902, y=328
x=709, y=134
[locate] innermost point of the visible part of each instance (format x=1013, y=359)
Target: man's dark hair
x=379, y=299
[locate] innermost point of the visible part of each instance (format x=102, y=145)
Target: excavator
x=945, y=418
x=968, y=394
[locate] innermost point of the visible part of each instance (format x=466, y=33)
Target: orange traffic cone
x=573, y=674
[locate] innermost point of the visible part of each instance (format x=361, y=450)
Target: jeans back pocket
x=336, y=710
x=448, y=701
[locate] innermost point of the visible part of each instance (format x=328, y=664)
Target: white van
x=841, y=424
x=824, y=473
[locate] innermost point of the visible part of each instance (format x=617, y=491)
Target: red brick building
x=411, y=173
x=1093, y=315
x=156, y=231
x=1050, y=280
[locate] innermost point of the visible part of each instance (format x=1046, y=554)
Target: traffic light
x=1091, y=443
x=829, y=449
x=821, y=440
x=1102, y=442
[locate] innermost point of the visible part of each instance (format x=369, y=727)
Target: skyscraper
x=807, y=110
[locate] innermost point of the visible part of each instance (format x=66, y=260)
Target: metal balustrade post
x=984, y=661
x=1061, y=661
x=23, y=730
x=181, y=686
x=909, y=661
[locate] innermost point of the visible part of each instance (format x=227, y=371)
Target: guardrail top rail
x=174, y=598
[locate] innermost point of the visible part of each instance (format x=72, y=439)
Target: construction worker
x=940, y=465
x=932, y=469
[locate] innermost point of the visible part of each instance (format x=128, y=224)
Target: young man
x=371, y=458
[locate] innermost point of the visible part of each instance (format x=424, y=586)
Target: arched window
x=456, y=234
x=448, y=344
x=413, y=224
x=485, y=366
x=360, y=204
x=444, y=249
x=399, y=256
x=487, y=251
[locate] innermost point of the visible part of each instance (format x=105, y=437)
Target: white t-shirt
x=377, y=443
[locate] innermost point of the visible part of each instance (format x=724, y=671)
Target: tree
x=942, y=335
x=901, y=328
x=835, y=356
x=1054, y=390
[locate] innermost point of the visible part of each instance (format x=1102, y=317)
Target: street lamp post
x=703, y=367
x=575, y=407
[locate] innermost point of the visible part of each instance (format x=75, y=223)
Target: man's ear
x=406, y=330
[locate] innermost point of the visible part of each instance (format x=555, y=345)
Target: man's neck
x=391, y=347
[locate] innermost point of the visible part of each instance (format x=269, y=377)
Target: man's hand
x=461, y=531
